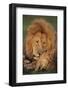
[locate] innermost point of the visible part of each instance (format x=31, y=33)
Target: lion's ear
x=28, y=45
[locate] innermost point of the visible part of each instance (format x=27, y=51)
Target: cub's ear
x=28, y=45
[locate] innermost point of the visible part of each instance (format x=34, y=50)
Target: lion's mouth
x=36, y=57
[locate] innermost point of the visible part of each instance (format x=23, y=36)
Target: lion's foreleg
x=37, y=66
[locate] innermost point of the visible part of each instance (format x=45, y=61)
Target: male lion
x=40, y=45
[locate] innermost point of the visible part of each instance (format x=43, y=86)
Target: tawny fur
x=44, y=51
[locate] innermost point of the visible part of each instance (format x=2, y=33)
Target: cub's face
x=39, y=44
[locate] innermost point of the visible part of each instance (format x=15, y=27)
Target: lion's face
x=39, y=44
x=36, y=45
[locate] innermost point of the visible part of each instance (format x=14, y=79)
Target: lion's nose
x=33, y=55
x=36, y=55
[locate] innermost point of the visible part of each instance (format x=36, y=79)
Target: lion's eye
x=44, y=43
x=36, y=41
